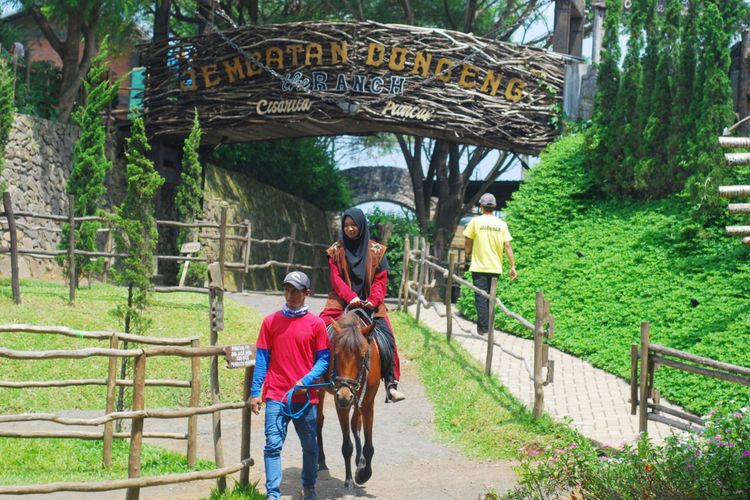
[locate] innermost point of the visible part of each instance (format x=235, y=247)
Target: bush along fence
x=419, y=285
x=237, y=356
x=208, y=231
x=645, y=400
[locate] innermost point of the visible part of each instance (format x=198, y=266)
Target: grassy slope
x=608, y=265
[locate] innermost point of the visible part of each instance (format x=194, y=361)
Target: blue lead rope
x=286, y=409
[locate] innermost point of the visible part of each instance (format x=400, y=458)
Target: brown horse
x=355, y=373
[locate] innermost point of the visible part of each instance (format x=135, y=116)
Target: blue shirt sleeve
x=261, y=368
x=322, y=358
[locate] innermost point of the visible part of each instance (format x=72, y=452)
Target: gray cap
x=298, y=280
x=487, y=200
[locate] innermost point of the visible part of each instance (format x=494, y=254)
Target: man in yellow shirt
x=486, y=238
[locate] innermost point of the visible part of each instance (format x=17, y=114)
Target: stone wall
x=272, y=213
x=37, y=165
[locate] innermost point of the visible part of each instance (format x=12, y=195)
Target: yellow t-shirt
x=489, y=235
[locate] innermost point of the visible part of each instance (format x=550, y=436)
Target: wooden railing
x=650, y=357
x=184, y=347
x=736, y=159
x=425, y=274
x=222, y=235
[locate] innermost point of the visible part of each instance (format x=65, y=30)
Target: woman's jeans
x=482, y=281
x=276, y=428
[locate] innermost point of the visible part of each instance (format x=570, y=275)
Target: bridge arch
x=380, y=183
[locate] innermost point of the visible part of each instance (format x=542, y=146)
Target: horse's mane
x=348, y=338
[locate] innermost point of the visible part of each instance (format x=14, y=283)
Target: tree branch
x=49, y=33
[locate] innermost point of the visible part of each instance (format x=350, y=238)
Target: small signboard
x=240, y=356
x=190, y=247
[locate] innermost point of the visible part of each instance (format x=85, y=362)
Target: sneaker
x=396, y=395
x=481, y=332
x=309, y=494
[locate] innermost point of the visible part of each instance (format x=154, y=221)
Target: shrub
x=403, y=225
x=715, y=464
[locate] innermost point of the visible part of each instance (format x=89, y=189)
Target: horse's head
x=351, y=357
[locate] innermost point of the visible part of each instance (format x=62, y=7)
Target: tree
x=90, y=162
x=82, y=24
x=189, y=197
x=7, y=110
x=135, y=229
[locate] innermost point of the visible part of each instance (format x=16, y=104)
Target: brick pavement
x=594, y=400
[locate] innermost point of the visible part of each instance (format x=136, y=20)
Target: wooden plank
x=633, y=378
x=425, y=251
x=643, y=398
x=402, y=289
x=290, y=253
x=221, y=482
x=734, y=191
x=746, y=241
x=136, y=429
x=90, y=381
x=737, y=159
x=672, y=422
x=449, y=297
x=737, y=230
x=538, y=342
x=14, y=276
x=734, y=142
x=118, y=484
x=222, y=240
x=72, y=279
x=701, y=371
x=247, y=416
x=195, y=395
x=719, y=365
x=70, y=332
x=677, y=413
x=739, y=208
x=110, y=404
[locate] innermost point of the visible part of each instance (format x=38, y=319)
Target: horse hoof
x=362, y=475
x=324, y=474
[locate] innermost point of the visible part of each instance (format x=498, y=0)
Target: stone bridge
x=393, y=184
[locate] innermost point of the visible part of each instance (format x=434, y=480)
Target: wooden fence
x=242, y=235
x=423, y=283
x=736, y=159
x=185, y=347
x=652, y=356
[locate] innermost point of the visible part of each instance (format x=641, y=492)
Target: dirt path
x=409, y=461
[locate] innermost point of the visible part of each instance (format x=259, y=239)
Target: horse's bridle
x=360, y=382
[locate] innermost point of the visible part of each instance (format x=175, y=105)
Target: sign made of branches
x=313, y=78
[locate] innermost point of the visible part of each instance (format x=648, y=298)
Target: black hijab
x=356, y=249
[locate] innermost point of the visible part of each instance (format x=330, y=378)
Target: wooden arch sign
x=313, y=78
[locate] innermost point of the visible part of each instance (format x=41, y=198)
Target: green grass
x=473, y=411
x=36, y=461
x=607, y=265
x=174, y=315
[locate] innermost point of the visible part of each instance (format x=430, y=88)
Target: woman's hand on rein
x=355, y=302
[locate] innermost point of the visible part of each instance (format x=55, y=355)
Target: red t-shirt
x=292, y=344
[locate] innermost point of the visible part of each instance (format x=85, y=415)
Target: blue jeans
x=483, y=282
x=276, y=428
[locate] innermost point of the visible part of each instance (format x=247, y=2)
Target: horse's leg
x=323, y=472
x=364, y=467
x=346, y=447
x=356, y=426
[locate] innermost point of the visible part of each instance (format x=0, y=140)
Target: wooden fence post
x=247, y=416
x=449, y=297
x=222, y=240
x=415, y=271
x=403, y=287
x=136, y=430
x=314, y=272
x=290, y=255
x=422, y=273
x=216, y=311
x=195, y=396
x=491, y=327
x=538, y=355
x=111, y=386
x=14, y=278
x=633, y=379
x=643, y=400
x=248, y=242
x=72, y=250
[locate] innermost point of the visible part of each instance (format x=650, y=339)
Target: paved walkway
x=595, y=401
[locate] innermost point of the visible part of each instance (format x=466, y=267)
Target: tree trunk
x=161, y=20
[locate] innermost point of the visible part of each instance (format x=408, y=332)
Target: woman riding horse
x=358, y=270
